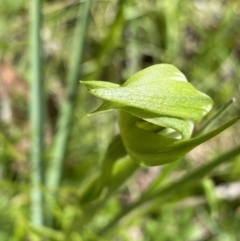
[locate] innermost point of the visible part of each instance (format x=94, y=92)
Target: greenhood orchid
x=158, y=109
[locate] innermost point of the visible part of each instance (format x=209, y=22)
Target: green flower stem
x=122, y=170
x=36, y=116
x=92, y=190
x=117, y=167
x=173, y=188
x=113, y=174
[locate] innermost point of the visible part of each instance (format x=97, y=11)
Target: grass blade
x=215, y=117
x=36, y=116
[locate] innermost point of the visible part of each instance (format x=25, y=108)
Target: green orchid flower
x=158, y=109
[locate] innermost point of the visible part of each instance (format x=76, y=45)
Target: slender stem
x=123, y=169
x=36, y=117
x=67, y=109
x=215, y=117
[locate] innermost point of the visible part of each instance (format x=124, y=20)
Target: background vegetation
x=118, y=38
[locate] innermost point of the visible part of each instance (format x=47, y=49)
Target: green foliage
x=94, y=188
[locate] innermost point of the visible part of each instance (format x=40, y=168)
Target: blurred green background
x=200, y=37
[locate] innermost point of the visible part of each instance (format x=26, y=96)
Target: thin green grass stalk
x=36, y=117
x=173, y=188
x=67, y=109
x=215, y=117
